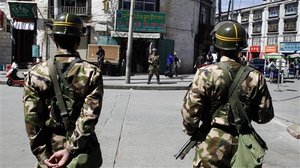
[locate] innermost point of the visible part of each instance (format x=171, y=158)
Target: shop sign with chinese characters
x=255, y=49
x=143, y=21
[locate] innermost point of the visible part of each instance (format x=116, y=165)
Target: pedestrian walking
x=272, y=69
x=154, y=62
x=211, y=105
x=62, y=102
x=100, y=56
x=199, y=62
x=297, y=67
x=170, y=62
x=177, y=63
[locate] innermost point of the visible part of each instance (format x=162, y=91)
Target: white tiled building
x=184, y=28
x=273, y=26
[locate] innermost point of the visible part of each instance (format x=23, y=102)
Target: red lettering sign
x=255, y=49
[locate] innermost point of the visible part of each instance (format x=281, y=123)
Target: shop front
x=271, y=49
x=288, y=48
x=254, y=52
x=147, y=33
x=23, y=16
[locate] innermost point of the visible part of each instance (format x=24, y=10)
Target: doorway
x=22, y=49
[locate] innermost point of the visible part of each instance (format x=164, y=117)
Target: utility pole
x=228, y=11
x=232, y=7
x=57, y=8
x=129, y=43
x=220, y=10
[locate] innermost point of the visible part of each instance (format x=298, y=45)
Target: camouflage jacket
x=85, y=81
x=153, y=60
x=207, y=93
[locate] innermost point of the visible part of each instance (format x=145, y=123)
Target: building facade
x=180, y=26
x=273, y=27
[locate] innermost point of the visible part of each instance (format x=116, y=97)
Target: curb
x=135, y=87
x=294, y=130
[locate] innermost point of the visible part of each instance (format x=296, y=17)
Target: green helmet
x=68, y=24
x=230, y=35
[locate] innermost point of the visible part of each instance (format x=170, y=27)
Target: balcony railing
x=82, y=10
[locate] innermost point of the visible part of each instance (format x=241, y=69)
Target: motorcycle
x=12, y=77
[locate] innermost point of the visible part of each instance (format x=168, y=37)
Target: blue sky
x=240, y=3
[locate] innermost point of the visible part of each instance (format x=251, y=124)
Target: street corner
x=294, y=130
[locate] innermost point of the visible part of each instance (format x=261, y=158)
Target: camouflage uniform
x=154, y=62
x=207, y=93
x=46, y=133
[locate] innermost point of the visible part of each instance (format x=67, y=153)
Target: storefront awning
x=136, y=35
x=273, y=55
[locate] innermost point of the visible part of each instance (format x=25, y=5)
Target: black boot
x=157, y=79
x=149, y=79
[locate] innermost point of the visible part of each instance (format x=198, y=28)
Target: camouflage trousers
x=90, y=157
x=216, y=151
x=153, y=70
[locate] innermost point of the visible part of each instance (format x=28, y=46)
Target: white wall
x=182, y=24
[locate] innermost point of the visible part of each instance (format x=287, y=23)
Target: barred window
x=257, y=28
x=256, y=41
x=291, y=9
x=140, y=5
x=257, y=15
x=274, y=12
x=272, y=40
x=273, y=27
x=290, y=25
x=289, y=38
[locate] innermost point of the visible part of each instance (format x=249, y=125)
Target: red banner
x=255, y=49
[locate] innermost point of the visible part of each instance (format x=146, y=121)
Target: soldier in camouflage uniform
x=53, y=142
x=208, y=92
x=154, y=62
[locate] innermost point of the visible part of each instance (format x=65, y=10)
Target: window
x=272, y=40
x=289, y=38
x=290, y=25
x=274, y=12
x=273, y=27
x=291, y=9
x=256, y=41
x=140, y=5
x=257, y=15
x=245, y=17
x=257, y=28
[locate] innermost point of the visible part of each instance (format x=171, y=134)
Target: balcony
x=79, y=10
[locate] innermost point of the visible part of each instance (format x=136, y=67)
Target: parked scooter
x=12, y=77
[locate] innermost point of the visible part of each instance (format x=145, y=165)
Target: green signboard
x=154, y=22
x=23, y=10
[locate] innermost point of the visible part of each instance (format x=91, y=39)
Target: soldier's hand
x=59, y=159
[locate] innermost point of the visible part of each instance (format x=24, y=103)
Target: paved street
x=142, y=128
